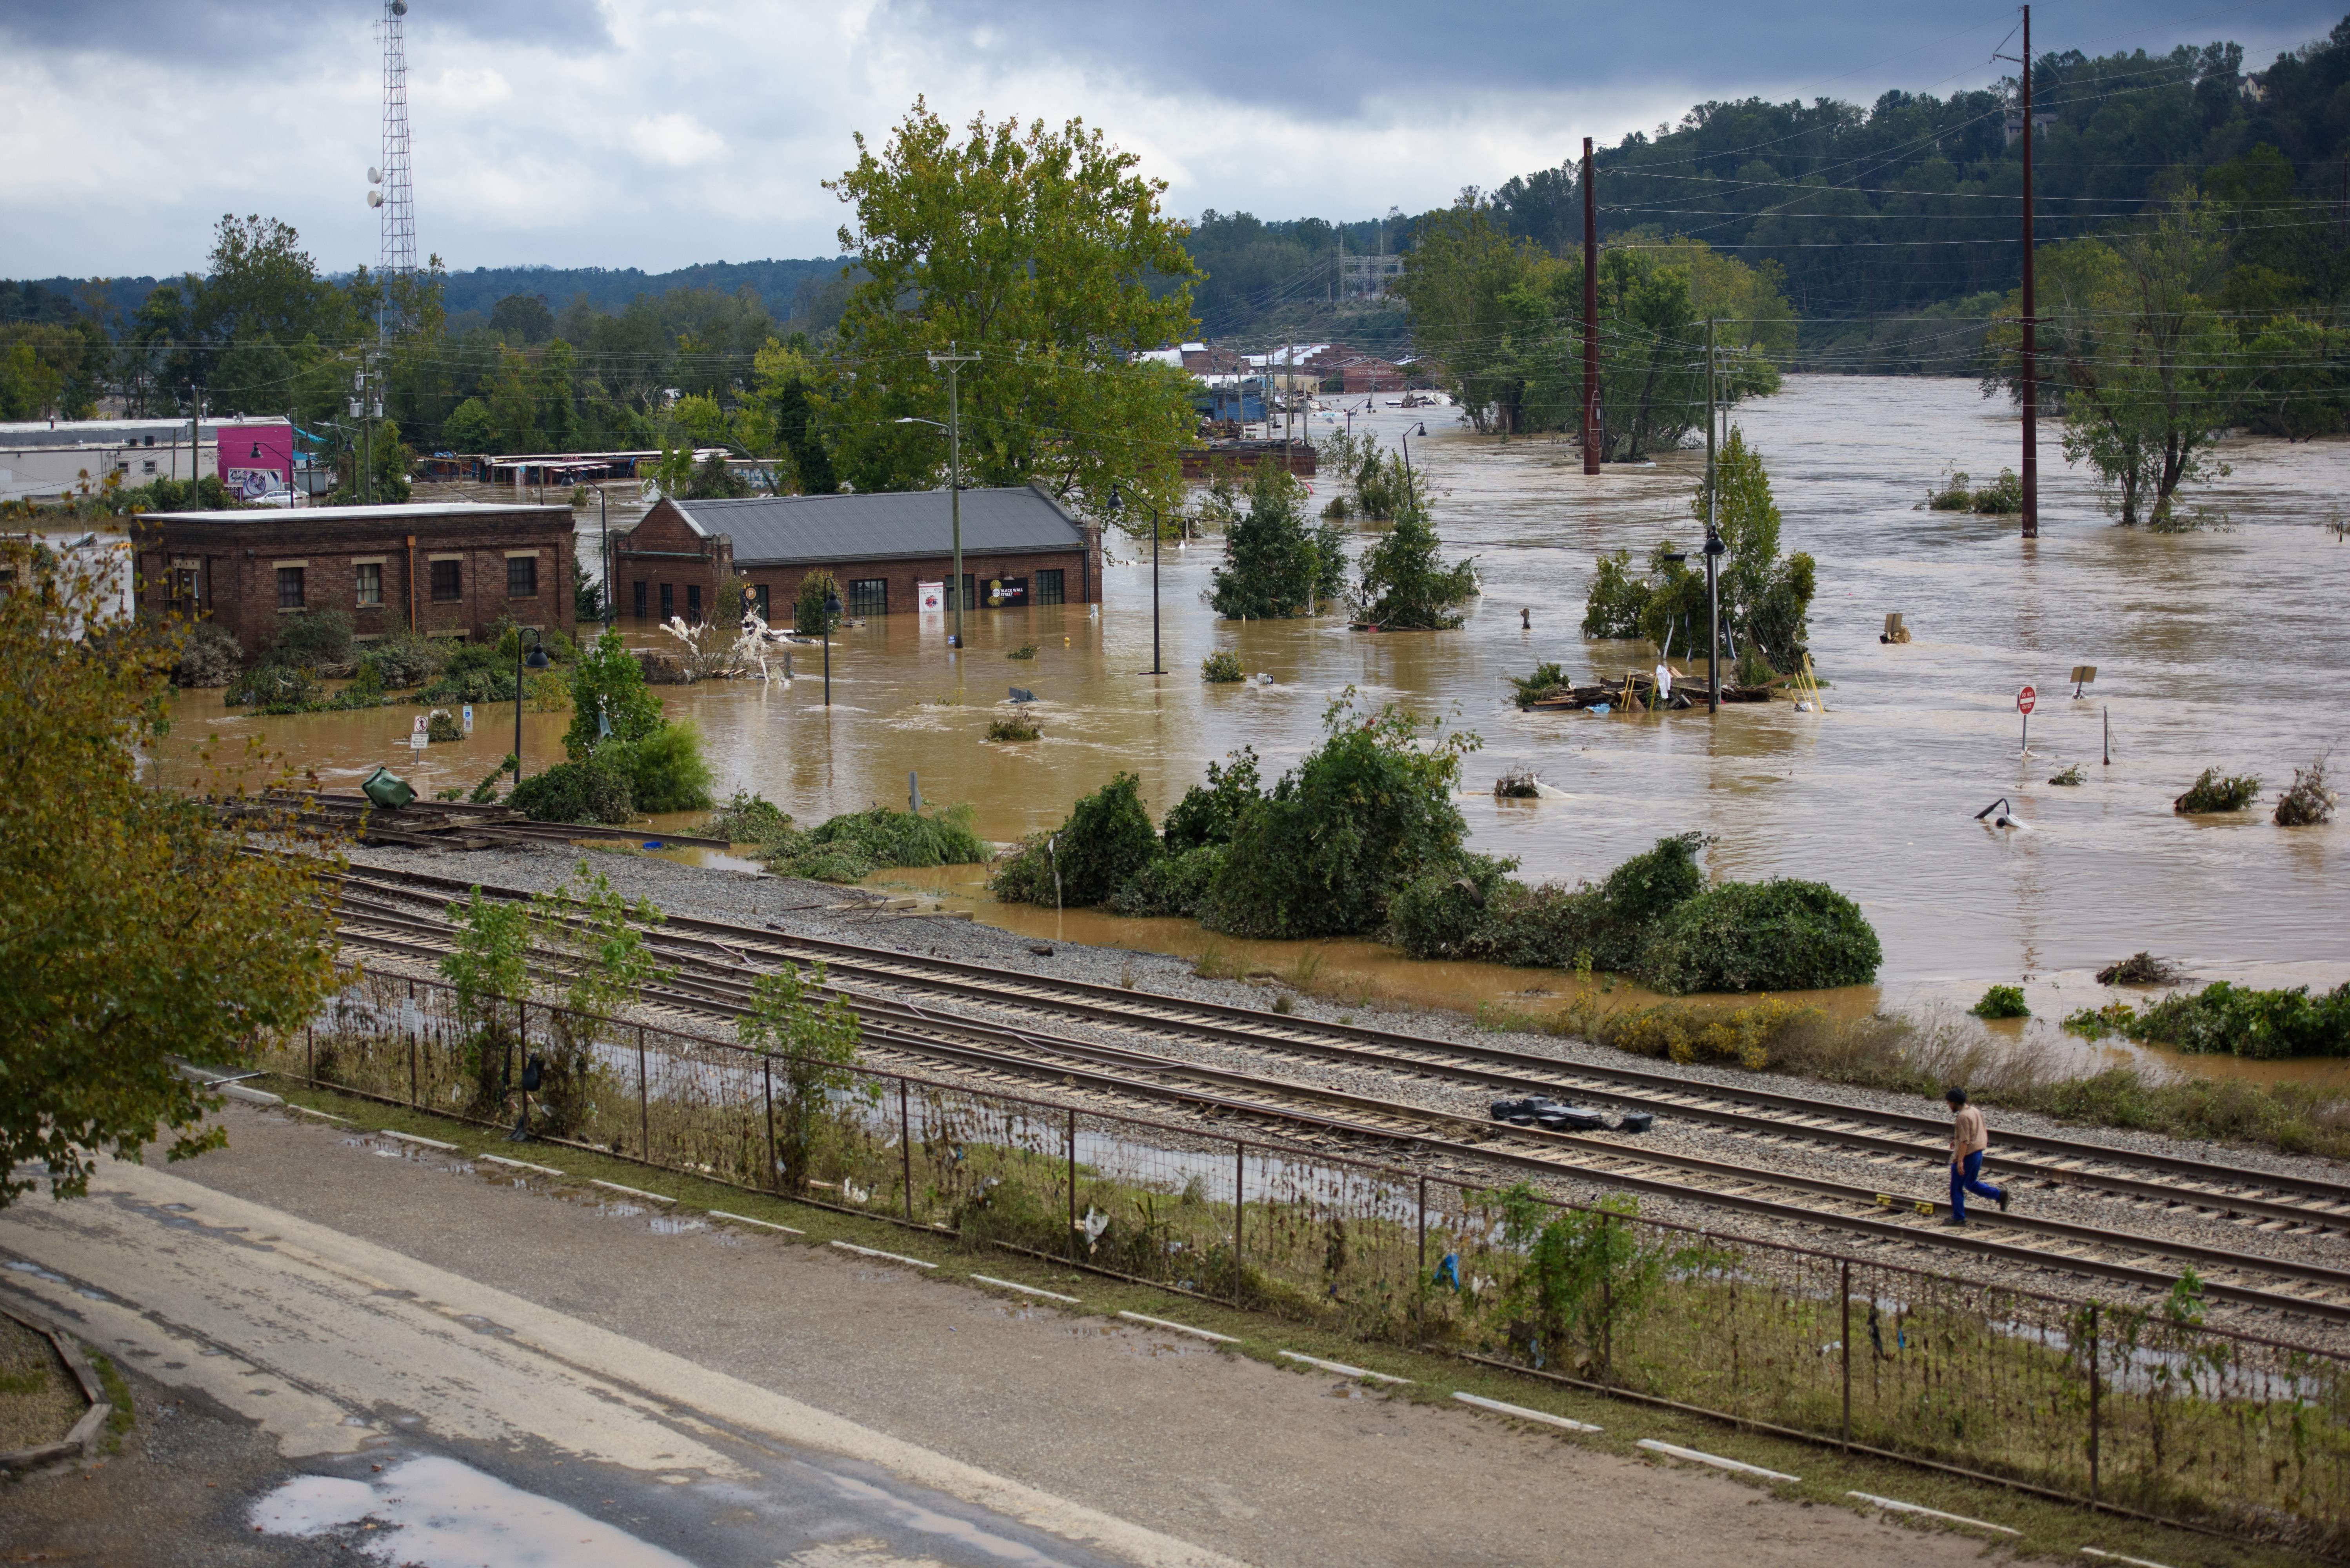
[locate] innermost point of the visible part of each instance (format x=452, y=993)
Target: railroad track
x=715, y=976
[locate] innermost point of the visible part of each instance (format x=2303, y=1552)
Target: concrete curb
x=80, y=1441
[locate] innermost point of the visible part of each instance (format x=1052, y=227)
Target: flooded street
x=2215, y=647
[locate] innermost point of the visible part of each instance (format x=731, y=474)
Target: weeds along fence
x=2134, y=1406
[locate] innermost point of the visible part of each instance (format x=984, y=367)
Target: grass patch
x=122, y=1413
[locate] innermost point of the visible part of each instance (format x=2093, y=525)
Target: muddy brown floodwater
x=2218, y=646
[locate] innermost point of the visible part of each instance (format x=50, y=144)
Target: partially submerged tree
x=1765, y=600
x=137, y=927
x=1276, y=562
x=1406, y=585
x=1045, y=257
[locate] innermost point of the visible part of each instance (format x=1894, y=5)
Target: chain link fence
x=2134, y=1404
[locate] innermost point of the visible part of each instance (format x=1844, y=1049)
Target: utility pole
x=1590, y=318
x=954, y=363
x=2031, y=344
x=1713, y=545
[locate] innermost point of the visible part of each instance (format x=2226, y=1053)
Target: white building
x=45, y=459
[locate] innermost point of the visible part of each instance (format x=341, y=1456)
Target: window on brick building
x=448, y=581
x=1048, y=589
x=640, y=601
x=668, y=600
x=370, y=584
x=869, y=595
x=522, y=577
x=759, y=593
x=694, y=604
x=289, y=587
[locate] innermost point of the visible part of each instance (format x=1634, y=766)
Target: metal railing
x=2134, y=1406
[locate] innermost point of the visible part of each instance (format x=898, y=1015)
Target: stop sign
x=2024, y=698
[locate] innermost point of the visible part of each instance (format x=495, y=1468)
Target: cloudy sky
x=628, y=133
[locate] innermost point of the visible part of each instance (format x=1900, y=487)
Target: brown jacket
x=1968, y=1134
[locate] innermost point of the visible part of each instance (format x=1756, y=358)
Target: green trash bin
x=388, y=789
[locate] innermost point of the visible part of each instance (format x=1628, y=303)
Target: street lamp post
x=954, y=486
x=536, y=659
x=831, y=609
x=1117, y=503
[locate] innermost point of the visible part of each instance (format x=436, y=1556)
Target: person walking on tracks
x=1968, y=1138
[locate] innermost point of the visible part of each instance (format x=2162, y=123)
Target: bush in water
x=1106, y=839
x=2001, y=1002
x=210, y=657
x=1782, y=935
x=854, y=845
x=1173, y=884
x=597, y=790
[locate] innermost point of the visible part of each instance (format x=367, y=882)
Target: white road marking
x=1523, y=1414
x=1716, y=1461
x=1876, y=1501
x=1342, y=1369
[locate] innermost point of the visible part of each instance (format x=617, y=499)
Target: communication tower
x=397, y=199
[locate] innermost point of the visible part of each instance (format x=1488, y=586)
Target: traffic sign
x=2025, y=699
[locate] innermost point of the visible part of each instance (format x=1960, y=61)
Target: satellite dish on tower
x=375, y=198
x=374, y=176
x=399, y=7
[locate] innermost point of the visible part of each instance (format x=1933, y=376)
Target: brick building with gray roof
x=1020, y=547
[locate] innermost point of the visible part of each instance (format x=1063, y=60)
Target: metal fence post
x=413, y=1092
x=644, y=1100
x=2094, y=1433
x=1423, y=1229
x=1606, y=1297
x=1073, y=1184
x=1240, y=1215
x=1844, y=1293
x=767, y=1079
x=311, y=1056
x=906, y=1144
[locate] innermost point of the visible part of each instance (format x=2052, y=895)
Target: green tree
x=473, y=427
x=1406, y=585
x=815, y=1042
x=1276, y=563
x=785, y=373
x=1366, y=814
x=2147, y=370
x=1046, y=255
x=140, y=929
x=609, y=697
x=807, y=610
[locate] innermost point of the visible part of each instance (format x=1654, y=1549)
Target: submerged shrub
x=2229, y=1020
x=2309, y=802
x=313, y=638
x=667, y=771
x=1015, y=726
x=1208, y=813
x=2001, y=1002
x=748, y=818
x=1221, y=667
x=1173, y=885
x=210, y=657
x=1781, y=935
x=1548, y=680
x=1106, y=839
x=442, y=726
x=595, y=790
x=2213, y=791
x=854, y=845
x=1361, y=817
x=403, y=659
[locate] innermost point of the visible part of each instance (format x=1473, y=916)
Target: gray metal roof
x=898, y=525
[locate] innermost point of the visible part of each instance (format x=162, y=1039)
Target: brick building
x=447, y=569
x=1019, y=547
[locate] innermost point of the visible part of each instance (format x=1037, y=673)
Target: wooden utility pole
x=2031, y=344
x=1590, y=319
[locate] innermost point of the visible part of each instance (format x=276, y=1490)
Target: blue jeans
x=1968, y=1178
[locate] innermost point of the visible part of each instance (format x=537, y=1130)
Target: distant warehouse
x=1020, y=547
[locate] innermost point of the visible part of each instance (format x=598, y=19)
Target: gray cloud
x=255, y=31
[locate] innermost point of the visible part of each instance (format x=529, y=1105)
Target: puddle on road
x=435, y=1512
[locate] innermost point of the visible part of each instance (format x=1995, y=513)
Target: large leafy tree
x=135, y=929
x=2148, y=371
x=1276, y=563
x=1043, y=253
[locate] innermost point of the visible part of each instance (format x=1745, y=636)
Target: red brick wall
x=1080, y=580
x=238, y=571
x=665, y=548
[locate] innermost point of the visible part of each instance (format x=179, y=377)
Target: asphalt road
x=459, y=1424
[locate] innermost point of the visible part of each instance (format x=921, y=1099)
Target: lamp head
x=536, y=659
x=1714, y=545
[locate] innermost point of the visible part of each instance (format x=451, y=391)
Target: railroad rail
x=704, y=987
